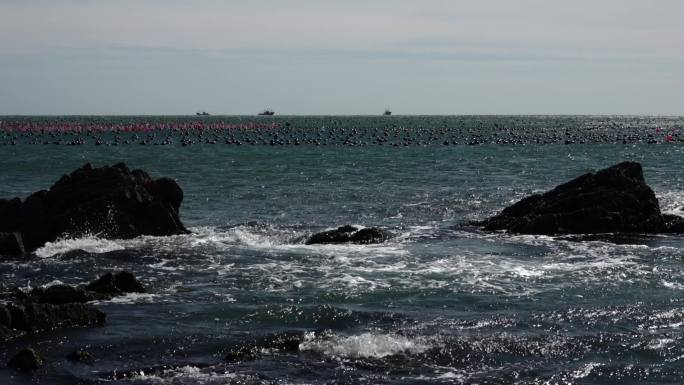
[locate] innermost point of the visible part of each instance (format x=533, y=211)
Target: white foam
x=363, y=345
x=52, y=283
x=89, y=244
x=658, y=344
x=130, y=298
x=585, y=370
x=671, y=202
x=184, y=375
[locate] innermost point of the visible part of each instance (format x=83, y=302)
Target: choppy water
x=436, y=304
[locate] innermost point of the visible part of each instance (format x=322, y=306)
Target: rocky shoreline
x=115, y=202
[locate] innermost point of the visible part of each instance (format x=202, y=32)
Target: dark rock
x=112, y=202
x=18, y=317
x=673, y=223
x=116, y=284
x=7, y=334
x=9, y=212
x=167, y=189
x=369, y=235
x=11, y=244
x=127, y=283
x=613, y=200
x=105, y=285
x=242, y=354
x=350, y=234
x=35, y=317
x=61, y=294
x=42, y=309
x=5, y=316
x=79, y=356
x=284, y=342
x=73, y=254
x=26, y=359
x=281, y=342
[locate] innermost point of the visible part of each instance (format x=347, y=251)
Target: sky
x=341, y=57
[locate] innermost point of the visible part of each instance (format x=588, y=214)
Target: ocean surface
x=439, y=303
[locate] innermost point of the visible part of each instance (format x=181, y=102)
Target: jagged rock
x=26, y=359
x=79, y=356
x=111, y=201
x=127, y=283
x=11, y=244
x=61, y=294
x=673, y=223
x=116, y=284
x=242, y=354
x=282, y=342
x=350, y=234
x=7, y=334
x=5, y=316
x=34, y=317
x=613, y=200
x=18, y=317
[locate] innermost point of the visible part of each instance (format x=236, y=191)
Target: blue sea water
x=438, y=303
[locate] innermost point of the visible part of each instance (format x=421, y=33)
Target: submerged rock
x=79, y=356
x=60, y=306
x=5, y=316
x=613, y=200
x=673, y=223
x=350, y=234
x=281, y=342
x=110, y=201
x=116, y=284
x=35, y=317
x=61, y=294
x=19, y=319
x=26, y=359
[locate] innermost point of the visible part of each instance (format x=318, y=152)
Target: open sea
x=439, y=303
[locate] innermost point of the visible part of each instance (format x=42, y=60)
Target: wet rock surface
x=116, y=284
x=673, y=223
x=36, y=317
x=79, y=356
x=26, y=360
x=350, y=234
x=612, y=200
x=110, y=201
x=282, y=342
x=61, y=306
x=11, y=243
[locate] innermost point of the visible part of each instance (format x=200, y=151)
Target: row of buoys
x=47, y=126
x=332, y=133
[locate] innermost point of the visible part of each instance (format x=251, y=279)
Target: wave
x=90, y=243
x=365, y=345
x=189, y=375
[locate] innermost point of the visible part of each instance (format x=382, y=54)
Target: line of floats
x=331, y=131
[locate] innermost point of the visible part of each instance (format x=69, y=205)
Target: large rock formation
x=350, y=234
x=112, y=202
x=613, y=200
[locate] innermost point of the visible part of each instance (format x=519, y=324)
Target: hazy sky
x=342, y=57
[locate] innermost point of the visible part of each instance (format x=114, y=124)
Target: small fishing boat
x=267, y=112
x=203, y=113
x=387, y=112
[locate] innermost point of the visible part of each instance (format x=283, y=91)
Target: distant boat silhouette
x=267, y=111
x=203, y=113
x=387, y=112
